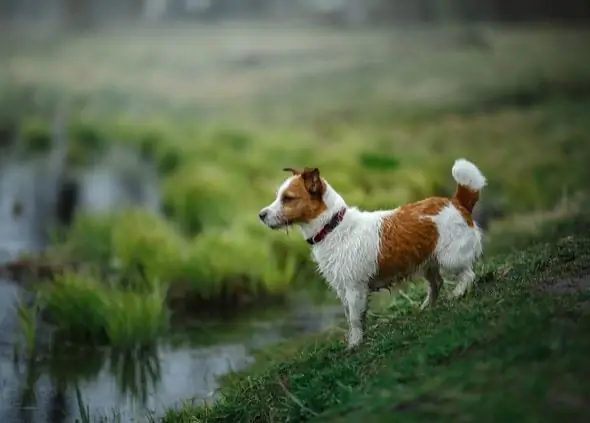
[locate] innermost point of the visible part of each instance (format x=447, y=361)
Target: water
x=185, y=366
x=140, y=382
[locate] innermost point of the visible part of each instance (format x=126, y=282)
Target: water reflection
x=43, y=387
x=137, y=372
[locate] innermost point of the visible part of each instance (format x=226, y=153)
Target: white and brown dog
x=362, y=251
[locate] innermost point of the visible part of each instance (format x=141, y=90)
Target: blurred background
x=140, y=138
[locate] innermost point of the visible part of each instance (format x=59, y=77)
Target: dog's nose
x=262, y=215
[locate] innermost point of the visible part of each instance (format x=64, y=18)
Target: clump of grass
x=218, y=264
x=168, y=161
x=119, y=294
x=77, y=306
x=88, y=239
x=35, y=138
x=88, y=310
x=28, y=318
x=123, y=241
x=136, y=318
x=195, y=202
x=152, y=147
x=379, y=162
x=232, y=139
x=86, y=141
x=142, y=239
x=137, y=252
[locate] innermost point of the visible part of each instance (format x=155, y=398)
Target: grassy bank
x=383, y=127
x=514, y=350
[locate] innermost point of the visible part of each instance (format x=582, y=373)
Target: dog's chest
x=347, y=257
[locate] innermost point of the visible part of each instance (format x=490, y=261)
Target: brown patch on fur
x=407, y=239
x=466, y=198
x=302, y=199
x=464, y=212
x=292, y=170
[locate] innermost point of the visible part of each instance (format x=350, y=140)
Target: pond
x=182, y=367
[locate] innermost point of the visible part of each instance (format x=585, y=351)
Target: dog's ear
x=292, y=170
x=312, y=181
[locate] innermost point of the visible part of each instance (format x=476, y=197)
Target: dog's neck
x=334, y=202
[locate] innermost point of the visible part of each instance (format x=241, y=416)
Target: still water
x=184, y=367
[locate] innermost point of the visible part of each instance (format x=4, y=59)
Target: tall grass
x=28, y=319
x=88, y=310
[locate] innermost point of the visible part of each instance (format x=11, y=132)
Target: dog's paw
x=459, y=292
x=426, y=304
x=352, y=348
x=354, y=341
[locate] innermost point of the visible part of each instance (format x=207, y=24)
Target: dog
x=359, y=252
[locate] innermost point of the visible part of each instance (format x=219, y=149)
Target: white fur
x=467, y=174
x=348, y=257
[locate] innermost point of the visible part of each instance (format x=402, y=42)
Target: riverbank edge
x=520, y=333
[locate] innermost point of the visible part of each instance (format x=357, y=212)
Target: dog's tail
x=470, y=182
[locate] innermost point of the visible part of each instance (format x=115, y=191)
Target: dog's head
x=299, y=200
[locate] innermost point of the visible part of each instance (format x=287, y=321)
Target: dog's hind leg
x=465, y=281
x=435, y=283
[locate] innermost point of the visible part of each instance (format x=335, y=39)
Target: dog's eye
x=288, y=198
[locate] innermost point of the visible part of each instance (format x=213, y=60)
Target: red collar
x=329, y=227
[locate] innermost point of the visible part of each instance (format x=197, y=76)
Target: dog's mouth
x=281, y=224
x=278, y=226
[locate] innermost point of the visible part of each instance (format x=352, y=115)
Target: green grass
x=88, y=310
x=513, y=350
x=382, y=114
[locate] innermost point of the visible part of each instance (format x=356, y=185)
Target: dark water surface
x=43, y=389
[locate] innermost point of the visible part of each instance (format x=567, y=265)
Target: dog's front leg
x=357, y=300
x=341, y=292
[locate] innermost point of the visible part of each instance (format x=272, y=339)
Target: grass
x=89, y=311
x=382, y=114
x=513, y=350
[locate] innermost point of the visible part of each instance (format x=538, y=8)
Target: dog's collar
x=329, y=227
